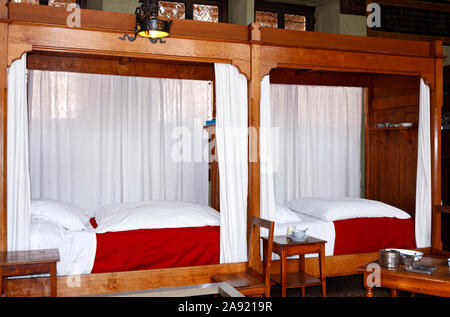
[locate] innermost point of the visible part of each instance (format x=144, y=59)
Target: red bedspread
x=363, y=235
x=156, y=248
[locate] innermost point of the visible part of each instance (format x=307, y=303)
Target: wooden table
x=437, y=283
x=19, y=263
x=285, y=247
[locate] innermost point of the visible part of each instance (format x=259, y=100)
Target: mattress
x=356, y=235
x=156, y=249
x=361, y=235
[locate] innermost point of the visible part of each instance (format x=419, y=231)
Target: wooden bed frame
x=193, y=45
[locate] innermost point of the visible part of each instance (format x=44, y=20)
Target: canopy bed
x=304, y=66
x=92, y=85
x=317, y=165
x=199, y=50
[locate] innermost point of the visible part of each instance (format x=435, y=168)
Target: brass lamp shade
x=147, y=22
x=153, y=28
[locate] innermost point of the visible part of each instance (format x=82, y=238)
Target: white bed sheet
x=316, y=228
x=76, y=248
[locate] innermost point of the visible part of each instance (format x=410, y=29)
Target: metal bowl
x=389, y=258
x=406, y=259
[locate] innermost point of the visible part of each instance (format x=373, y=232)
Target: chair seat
x=239, y=280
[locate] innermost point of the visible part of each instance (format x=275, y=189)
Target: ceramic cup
x=299, y=234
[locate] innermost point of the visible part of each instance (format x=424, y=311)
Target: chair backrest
x=254, y=252
x=436, y=230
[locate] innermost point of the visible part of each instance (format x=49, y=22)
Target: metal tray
x=421, y=268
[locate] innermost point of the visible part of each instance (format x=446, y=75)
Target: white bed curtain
x=319, y=143
x=423, y=187
x=232, y=152
x=267, y=153
x=18, y=178
x=100, y=139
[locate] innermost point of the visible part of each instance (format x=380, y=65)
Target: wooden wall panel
x=393, y=152
x=120, y=66
x=317, y=77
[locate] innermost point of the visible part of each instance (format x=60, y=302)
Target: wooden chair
x=256, y=280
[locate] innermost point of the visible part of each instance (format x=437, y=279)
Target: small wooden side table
x=285, y=247
x=19, y=263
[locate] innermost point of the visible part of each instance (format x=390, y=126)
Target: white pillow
x=64, y=214
x=284, y=215
x=154, y=214
x=332, y=209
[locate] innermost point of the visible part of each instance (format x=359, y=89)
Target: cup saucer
x=298, y=239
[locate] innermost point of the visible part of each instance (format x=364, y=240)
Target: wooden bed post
x=254, y=97
x=437, y=99
x=3, y=94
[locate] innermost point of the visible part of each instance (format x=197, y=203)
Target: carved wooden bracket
x=429, y=79
x=243, y=67
x=15, y=51
x=266, y=67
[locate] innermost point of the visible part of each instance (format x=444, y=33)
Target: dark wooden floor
x=347, y=286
